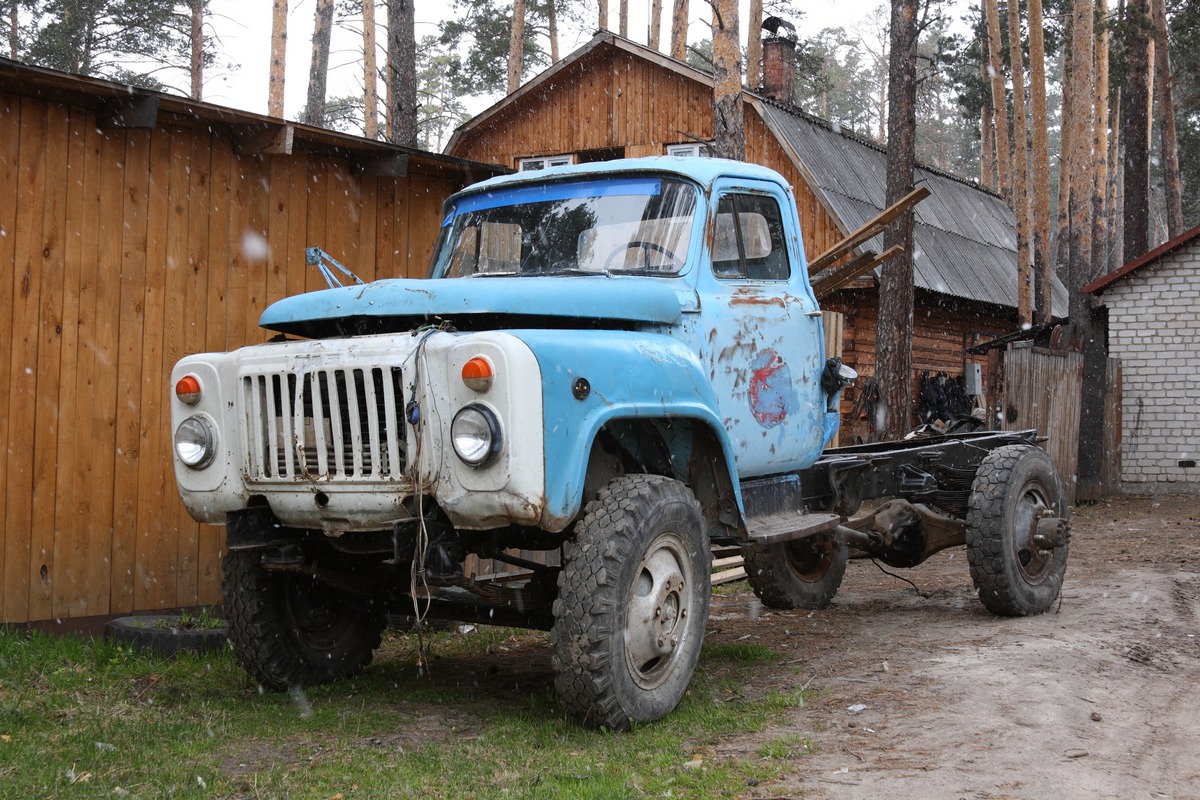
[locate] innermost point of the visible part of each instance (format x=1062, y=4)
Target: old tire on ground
x=165, y=634
x=289, y=629
x=804, y=573
x=633, y=601
x=1014, y=488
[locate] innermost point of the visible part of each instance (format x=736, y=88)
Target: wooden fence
x=1042, y=391
x=131, y=247
x=1110, y=465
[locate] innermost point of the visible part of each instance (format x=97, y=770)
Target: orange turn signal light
x=477, y=374
x=188, y=390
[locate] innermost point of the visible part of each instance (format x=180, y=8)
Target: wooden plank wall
x=1110, y=466
x=129, y=249
x=614, y=100
x=942, y=331
x=606, y=100
x=1042, y=391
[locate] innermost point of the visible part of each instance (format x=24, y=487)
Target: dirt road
x=1100, y=698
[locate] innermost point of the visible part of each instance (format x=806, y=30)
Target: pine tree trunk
x=370, y=74
x=679, y=30
x=728, y=122
x=278, y=58
x=754, y=45
x=14, y=31
x=552, y=25
x=987, y=134
x=1062, y=237
x=197, y=71
x=655, y=24
x=1079, y=270
x=516, y=46
x=1133, y=131
x=987, y=142
x=1020, y=182
x=1100, y=148
x=402, y=74
x=999, y=107
x=602, y=19
x=1150, y=61
x=881, y=100
x=1042, y=262
x=893, y=343
x=1166, y=113
x=623, y=12
x=1116, y=214
x=318, y=66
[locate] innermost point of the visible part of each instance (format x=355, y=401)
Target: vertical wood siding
x=1043, y=388
x=129, y=249
x=1110, y=467
x=615, y=100
x=942, y=331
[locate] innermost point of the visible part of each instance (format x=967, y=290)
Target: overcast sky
x=244, y=30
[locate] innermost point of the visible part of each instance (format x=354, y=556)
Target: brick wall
x=1154, y=328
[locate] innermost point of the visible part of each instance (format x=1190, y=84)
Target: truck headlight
x=475, y=434
x=196, y=442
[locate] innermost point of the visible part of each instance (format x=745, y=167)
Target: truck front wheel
x=804, y=573
x=633, y=602
x=1016, y=531
x=290, y=629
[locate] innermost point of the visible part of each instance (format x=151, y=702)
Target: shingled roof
x=964, y=239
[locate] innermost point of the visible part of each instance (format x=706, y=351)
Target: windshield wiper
x=579, y=271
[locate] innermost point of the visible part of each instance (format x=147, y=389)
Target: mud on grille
x=326, y=424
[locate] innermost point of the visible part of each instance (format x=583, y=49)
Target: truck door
x=763, y=341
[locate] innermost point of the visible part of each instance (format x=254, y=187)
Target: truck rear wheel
x=633, y=602
x=289, y=629
x=1017, y=568
x=804, y=573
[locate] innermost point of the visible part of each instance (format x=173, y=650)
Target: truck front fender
x=592, y=378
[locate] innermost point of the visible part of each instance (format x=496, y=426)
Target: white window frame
x=544, y=162
x=691, y=149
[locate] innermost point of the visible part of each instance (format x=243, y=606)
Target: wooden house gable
x=614, y=99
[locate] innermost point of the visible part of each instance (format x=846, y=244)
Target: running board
x=784, y=526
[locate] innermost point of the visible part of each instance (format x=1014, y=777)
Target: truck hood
x=400, y=304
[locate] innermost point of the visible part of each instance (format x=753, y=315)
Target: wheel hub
x=659, y=605
x=1037, y=533
x=809, y=557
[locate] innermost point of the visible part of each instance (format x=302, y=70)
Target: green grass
x=786, y=747
x=205, y=618
x=89, y=719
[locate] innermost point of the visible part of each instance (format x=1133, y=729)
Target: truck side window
x=748, y=243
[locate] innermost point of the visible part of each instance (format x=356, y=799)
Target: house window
x=542, y=162
x=696, y=149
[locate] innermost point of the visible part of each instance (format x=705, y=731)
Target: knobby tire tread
x=256, y=631
x=987, y=542
x=774, y=584
x=586, y=611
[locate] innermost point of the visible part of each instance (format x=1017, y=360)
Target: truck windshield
x=627, y=225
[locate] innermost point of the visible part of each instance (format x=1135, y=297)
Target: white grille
x=325, y=424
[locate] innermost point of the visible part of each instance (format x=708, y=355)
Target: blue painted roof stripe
x=549, y=192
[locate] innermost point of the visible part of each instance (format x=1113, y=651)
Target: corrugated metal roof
x=965, y=239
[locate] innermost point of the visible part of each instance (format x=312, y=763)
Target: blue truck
x=610, y=368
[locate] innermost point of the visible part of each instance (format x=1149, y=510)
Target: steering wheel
x=675, y=260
